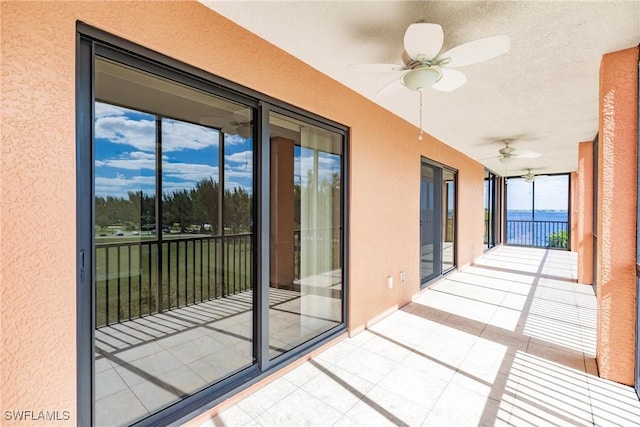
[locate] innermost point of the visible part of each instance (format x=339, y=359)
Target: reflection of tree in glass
x=237, y=205
x=187, y=208
x=130, y=212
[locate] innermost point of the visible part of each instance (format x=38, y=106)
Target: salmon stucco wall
x=584, y=212
x=573, y=204
x=617, y=195
x=38, y=247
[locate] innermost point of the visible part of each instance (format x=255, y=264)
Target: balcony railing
x=544, y=234
x=192, y=270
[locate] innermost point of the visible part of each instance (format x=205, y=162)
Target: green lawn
x=192, y=271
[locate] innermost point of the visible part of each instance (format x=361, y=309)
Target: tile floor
x=507, y=341
x=146, y=364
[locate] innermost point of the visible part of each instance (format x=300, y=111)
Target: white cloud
x=230, y=185
x=189, y=172
x=106, y=110
x=327, y=166
x=118, y=128
x=178, y=136
x=243, y=157
x=235, y=139
x=130, y=161
x=140, y=134
x=238, y=172
x=119, y=185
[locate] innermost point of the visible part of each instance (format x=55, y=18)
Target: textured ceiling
x=543, y=93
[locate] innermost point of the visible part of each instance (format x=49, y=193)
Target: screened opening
x=538, y=211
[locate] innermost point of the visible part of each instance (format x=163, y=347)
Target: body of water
x=538, y=228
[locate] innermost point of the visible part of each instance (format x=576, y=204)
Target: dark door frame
x=90, y=42
x=438, y=209
x=637, y=343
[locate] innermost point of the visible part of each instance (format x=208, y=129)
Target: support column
x=616, y=215
x=573, y=218
x=282, y=213
x=584, y=212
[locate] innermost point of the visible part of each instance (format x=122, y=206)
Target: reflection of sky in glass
x=328, y=164
x=451, y=197
x=125, y=154
x=486, y=194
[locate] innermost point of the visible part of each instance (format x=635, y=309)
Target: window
x=178, y=303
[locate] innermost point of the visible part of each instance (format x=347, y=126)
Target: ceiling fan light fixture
x=421, y=78
x=505, y=159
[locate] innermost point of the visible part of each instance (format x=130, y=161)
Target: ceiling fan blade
x=423, y=41
x=376, y=68
x=476, y=51
x=230, y=130
x=451, y=80
x=391, y=88
x=213, y=121
x=488, y=158
x=526, y=154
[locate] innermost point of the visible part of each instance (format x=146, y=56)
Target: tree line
x=197, y=209
x=185, y=210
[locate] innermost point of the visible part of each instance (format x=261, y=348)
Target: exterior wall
x=38, y=292
x=584, y=211
x=617, y=196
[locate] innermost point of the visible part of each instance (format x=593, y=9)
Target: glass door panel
x=173, y=242
x=437, y=220
x=305, y=289
x=430, y=231
x=448, y=219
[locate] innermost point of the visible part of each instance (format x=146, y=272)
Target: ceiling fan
x=530, y=176
x=235, y=126
x=508, y=153
x=424, y=65
x=239, y=127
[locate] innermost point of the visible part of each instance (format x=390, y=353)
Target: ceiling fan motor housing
x=421, y=78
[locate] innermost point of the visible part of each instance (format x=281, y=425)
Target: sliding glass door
x=437, y=220
x=305, y=287
x=207, y=261
x=174, y=270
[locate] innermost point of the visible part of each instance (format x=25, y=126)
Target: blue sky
x=125, y=157
x=125, y=154
x=551, y=193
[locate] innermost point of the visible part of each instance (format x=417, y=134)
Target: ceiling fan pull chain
x=420, y=134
